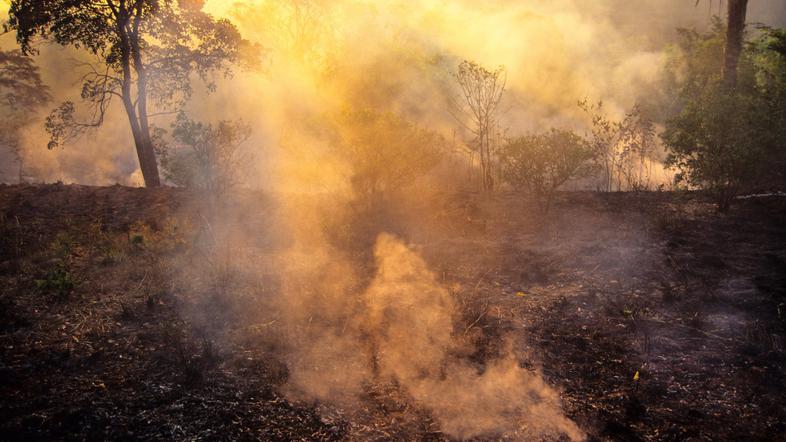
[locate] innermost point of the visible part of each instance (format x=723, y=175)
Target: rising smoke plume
x=400, y=329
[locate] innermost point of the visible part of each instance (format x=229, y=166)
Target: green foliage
x=205, y=156
x=727, y=140
x=770, y=59
x=716, y=143
x=58, y=280
x=540, y=163
x=144, y=50
x=137, y=239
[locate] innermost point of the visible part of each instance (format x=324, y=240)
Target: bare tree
x=603, y=141
x=637, y=143
x=481, y=91
x=305, y=25
x=622, y=149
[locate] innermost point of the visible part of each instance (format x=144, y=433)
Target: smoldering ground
x=347, y=320
x=178, y=324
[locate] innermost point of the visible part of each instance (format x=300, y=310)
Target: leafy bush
x=60, y=254
x=540, y=163
x=204, y=156
x=728, y=140
x=385, y=151
x=715, y=142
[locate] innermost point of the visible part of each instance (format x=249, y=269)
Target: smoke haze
x=350, y=321
x=324, y=56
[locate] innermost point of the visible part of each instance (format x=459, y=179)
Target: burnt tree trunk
x=734, y=37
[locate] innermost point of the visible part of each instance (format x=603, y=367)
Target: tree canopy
x=146, y=52
x=727, y=140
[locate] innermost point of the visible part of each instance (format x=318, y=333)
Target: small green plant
x=137, y=239
x=58, y=280
x=60, y=253
x=139, y=235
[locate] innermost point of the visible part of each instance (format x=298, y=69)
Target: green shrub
x=540, y=163
x=721, y=139
x=58, y=280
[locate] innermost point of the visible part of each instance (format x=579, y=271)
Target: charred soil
x=654, y=316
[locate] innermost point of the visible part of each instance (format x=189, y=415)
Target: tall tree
x=723, y=142
x=146, y=52
x=736, y=12
x=735, y=29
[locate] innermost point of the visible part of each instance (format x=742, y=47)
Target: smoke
x=350, y=318
x=105, y=156
x=398, y=56
x=400, y=330
x=411, y=320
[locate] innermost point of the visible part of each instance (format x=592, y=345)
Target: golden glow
x=398, y=55
x=555, y=51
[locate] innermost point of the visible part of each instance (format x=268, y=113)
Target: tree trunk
x=487, y=166
x=147, y=161
x=145, y=149
x=140, y=130
x=734, y=36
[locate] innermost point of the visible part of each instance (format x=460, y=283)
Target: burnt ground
x=98, y=342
